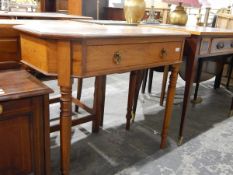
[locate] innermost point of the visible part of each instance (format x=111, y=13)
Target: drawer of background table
x=9, y=50
x=118, y=57
x=219, y=45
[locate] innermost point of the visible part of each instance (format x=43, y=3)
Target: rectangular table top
x=194, y=30
x=41, y=15
x=79, y=30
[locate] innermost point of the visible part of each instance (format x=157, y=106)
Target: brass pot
x=134, y=10
x=179, y=16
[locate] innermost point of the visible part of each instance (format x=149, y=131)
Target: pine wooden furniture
x=204, y=43
x=68, y=48
x=24, y=124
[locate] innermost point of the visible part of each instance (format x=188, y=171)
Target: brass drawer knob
x=163, y=53
x=1, y=109
x=117, y=57
x=220, y=45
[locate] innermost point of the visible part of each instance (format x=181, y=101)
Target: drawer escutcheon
x=163, y=53
x=1, y=109
x=117, y=57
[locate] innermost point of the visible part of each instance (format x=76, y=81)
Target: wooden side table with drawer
x=24, y=124
x=77, y=49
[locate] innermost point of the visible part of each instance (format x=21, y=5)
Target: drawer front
x=126, y=56
x=220, y=45
x=9, y=50
x=14, y=107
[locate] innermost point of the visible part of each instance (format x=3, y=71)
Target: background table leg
x=99, y=100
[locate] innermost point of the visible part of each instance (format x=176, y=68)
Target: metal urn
x=134, y=10
x=179, y=16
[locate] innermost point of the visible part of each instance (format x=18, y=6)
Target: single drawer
x=15, y=107
x=126, y=56
x=219, y=45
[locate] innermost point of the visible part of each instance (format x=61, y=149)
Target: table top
x=12, y=22
x=42, y=15
x=78, y=30
x=24, y=85
x=195, y=30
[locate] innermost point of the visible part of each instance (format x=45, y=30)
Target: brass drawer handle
x=1, y=109
x=163, y=53
x=117, y=57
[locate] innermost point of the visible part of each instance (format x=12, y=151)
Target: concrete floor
x=114, y=149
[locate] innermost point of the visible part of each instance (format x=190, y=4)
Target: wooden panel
x=9, y=50
x=43, y=58
x=8, y=32
x=40, y=53
x=20, y=106
x=100, y=58
x=205, y=46
x=75, y=7
x=16, y=154
x=62, y=5
x=113, y=13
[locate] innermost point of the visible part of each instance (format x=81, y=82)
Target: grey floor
x=136, y=152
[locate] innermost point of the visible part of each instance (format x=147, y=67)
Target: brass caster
x=180, y=141
x=197, y=101
x=133, y=117
x=230, y=113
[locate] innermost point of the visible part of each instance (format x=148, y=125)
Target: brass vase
x=178, y=16
x=134, y=10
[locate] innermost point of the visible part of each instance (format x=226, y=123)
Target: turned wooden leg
x=134, y=81
x=144, y=81
x=164, y=83
x=150, y=80
x=198, y=77
x=65, y=83
x=79, y=92
x=169, y=103
x=65, y=134
x=99, y=100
